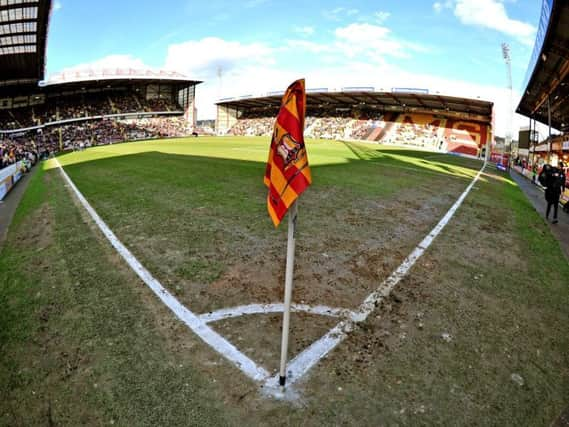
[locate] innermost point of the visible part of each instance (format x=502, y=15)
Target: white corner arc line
x=212, y=338
x=227, y=313
x=308, y=358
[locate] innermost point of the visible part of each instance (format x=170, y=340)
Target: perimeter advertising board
x=8, y=178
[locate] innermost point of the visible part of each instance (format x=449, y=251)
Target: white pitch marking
x=212, y=338
x=226, y=313
x=304, y=361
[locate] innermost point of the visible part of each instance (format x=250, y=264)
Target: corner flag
x=287, y=174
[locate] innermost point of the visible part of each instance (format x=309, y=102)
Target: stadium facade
x=78, y=108
x=93, y=95
x=409, y=117
x=546, y=87
x=29, y=103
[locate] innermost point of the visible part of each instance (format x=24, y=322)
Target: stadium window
x=29, y=27
x=30, y=12
x=13, y=2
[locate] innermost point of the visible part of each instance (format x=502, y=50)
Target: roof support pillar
x=530, y=145
x=549, y=125
x=534, y=139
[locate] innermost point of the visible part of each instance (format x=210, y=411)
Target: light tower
x=509, y=115
x=219, y=73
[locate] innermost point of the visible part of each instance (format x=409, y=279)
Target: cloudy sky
x=255, y=46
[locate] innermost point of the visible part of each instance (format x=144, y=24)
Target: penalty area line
x=308, y=358
x=198, y=326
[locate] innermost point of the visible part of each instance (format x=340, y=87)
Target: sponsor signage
x=8, y=177
x=8, y=171
x=5, y=186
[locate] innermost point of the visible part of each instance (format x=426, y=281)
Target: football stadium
x=343, y=255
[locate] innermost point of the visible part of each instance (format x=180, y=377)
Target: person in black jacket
x=553, y=179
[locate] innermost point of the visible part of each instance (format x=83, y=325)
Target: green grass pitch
x=83, y=342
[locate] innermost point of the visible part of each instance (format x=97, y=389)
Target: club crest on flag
x=289, y=149
x=287, y=174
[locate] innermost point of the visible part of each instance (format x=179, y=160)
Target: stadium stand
x=432, y=122
x=416, y=130
x=82, y=110
x=80, y=106
x=22, y=62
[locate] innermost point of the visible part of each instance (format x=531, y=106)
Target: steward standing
x=553, y=179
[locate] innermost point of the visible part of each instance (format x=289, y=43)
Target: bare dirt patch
x=337, y=265
x=262, y=342
x=37, y=232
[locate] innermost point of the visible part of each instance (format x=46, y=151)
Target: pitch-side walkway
x=10, y=203
x=537, y=199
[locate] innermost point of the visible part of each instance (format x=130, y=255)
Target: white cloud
x=340, y=13
x=381, y=17
x=309, y=46
x=111, y=61
x=202, y=58
x=304, y=31
x=439, y=6
x=374, y=41
x=492, y=14
x=228, y=68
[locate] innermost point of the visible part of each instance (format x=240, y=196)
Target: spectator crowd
x=42, y=143
x=81, y=106
x=417, y=130
x=20, y=149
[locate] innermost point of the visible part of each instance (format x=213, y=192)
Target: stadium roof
x=548, y=71
x=385, y=101
x=23, y=38
x=116, y=74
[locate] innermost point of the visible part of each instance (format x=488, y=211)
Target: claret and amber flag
x=287, y=176
x=288, y=173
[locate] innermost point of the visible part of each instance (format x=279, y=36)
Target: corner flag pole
x=292, y=216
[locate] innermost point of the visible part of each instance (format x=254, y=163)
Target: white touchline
x=226, y=313
x=212, y=338
x=304, y=361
